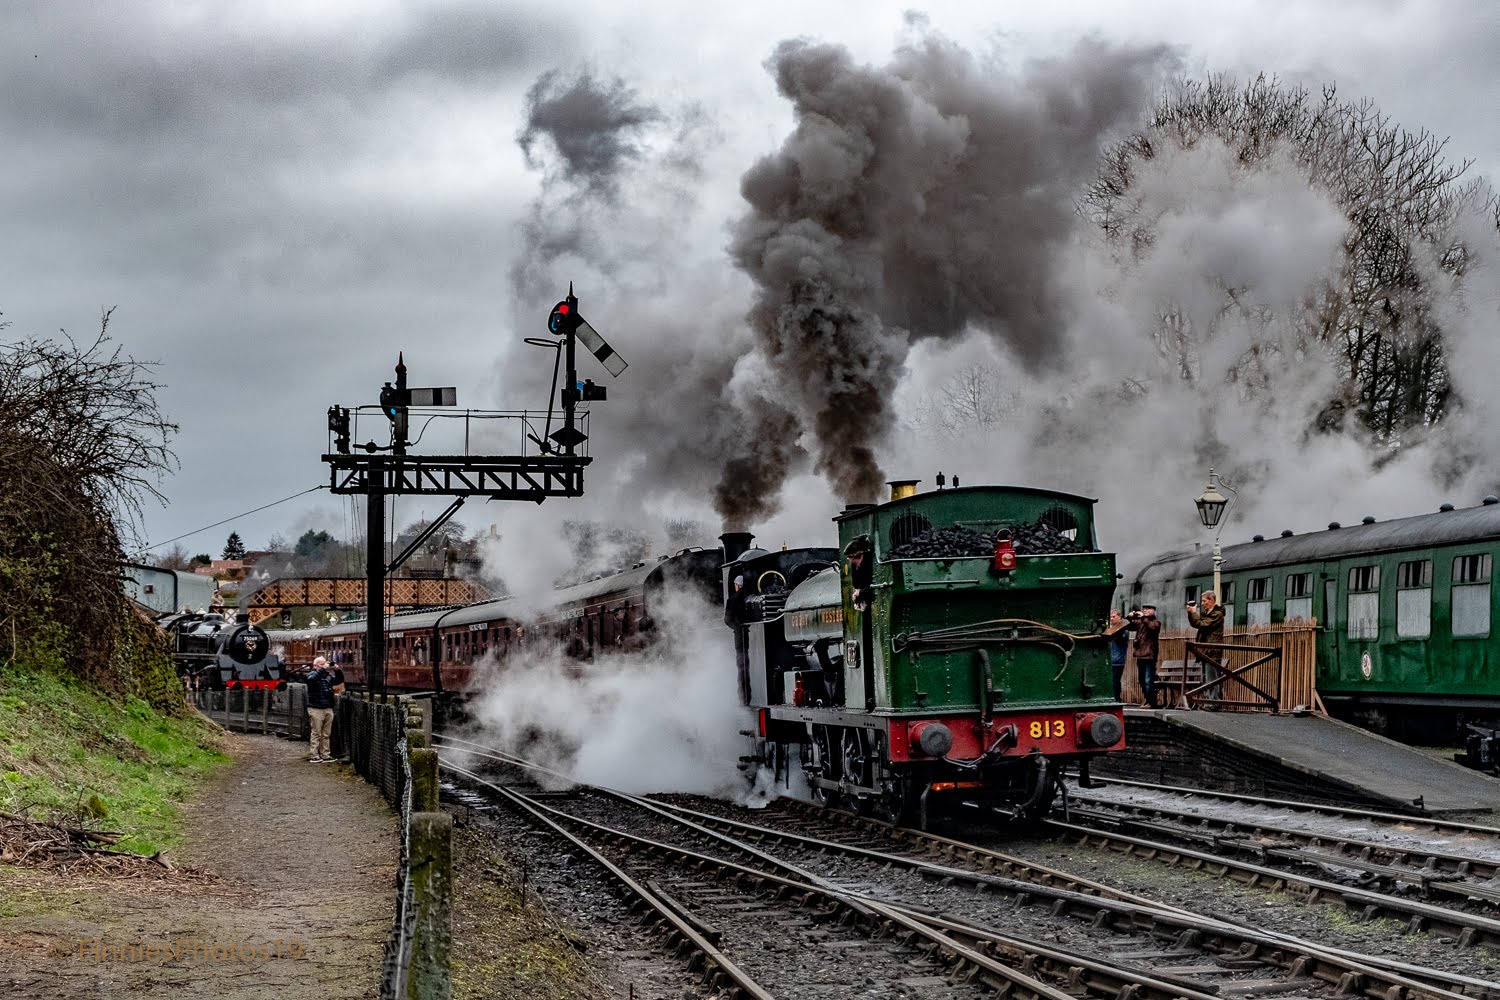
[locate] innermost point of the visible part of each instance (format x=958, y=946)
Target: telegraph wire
x=236, y=517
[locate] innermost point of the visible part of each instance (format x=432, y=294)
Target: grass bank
x=67, y=752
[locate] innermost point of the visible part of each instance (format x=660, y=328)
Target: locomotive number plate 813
x=1041, y=729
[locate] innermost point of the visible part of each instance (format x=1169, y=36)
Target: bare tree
x=1400, y=195
x=683, y=532
x=82, y=446
x=176, y=557
x=973, y=401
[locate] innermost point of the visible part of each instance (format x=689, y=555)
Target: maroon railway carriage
x=438, y=649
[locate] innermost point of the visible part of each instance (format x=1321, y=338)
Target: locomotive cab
x=757, y=613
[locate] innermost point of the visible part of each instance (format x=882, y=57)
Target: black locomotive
x=214, y=651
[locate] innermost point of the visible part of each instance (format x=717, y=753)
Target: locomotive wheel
x=901, y=799
x=773, y=760
x=857, y=768
x=900, y=794
x=820, y=761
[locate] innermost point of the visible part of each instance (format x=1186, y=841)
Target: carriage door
x=1328, y=634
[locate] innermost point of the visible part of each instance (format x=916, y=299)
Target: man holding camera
x=1147, y=629
x=1210, y=625
x=1119, y=647
x=1210, y=621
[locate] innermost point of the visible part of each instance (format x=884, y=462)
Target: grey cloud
x=113, y=71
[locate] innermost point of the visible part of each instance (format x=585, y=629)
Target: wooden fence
x=1288, y=677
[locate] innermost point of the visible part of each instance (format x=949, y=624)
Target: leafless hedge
x=83, y=445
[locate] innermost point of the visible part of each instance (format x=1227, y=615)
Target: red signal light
x=1005, y=555
x=561, y=321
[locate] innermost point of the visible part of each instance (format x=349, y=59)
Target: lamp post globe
x=1212, y=506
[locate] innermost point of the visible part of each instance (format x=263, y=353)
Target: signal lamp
x=1005, y=555
x=563, y=319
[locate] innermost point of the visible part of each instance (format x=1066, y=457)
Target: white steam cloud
x=666, y=719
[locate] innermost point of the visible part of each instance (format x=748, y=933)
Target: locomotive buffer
x=557, y=471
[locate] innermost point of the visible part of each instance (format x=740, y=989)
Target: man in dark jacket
x=324, y=683
x=1210, y=625
x=1118, y=634
x=1147, y=629
x=1210, y=621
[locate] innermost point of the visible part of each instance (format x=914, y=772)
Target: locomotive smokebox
x=736, y=544
x=903, y=488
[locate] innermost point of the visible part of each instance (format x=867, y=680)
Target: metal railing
x=380, y=734
x=269, y=712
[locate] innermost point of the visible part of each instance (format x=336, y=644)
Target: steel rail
x=742, y=984
x=1104, y=979
x=1439, y=871
x=1333, y=810
x=911, y=920
x=1295, y=957
x=991, y=860
x=1469, y=928
x=1343, y=966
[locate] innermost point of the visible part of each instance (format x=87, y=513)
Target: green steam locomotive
x=950, y=651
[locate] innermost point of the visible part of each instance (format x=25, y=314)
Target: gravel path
x=287, y=892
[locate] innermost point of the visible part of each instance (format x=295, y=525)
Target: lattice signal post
x=556, y=470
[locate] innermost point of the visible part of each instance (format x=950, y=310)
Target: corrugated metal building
x=168, y=590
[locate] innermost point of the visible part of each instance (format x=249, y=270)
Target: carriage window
x=1471, y=595
x=1226, y=601
x=1258, y=602
x=1414, y=599
x=1298, y=597
x=1364, y=602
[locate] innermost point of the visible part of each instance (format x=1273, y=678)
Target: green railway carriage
x=932, y=671
x=1406, y=611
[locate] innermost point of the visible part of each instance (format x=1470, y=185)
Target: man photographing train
x=1210, y=621
x=324, y=684
x=1210, y=625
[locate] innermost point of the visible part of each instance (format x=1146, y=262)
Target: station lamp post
x=1212, y=506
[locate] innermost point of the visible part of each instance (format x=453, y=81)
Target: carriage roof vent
x=1445, y=508
x=1490, y=500
x=1367, y=519
x=1287, y=533
x=1257, y=538
x=1334, y=526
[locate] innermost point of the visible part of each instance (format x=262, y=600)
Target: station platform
x=1307, y=757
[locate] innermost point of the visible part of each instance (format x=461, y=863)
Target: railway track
x=735, y=921
x=1095, y=903
x=1410, y=821
x=1081, y=939
x=1403, y=865
x=1372, y=875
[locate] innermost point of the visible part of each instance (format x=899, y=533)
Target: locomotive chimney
x=736, y=543
x=903, y=488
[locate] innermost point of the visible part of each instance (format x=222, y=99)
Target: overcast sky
x=278, y=197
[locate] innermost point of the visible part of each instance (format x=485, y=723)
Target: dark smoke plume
x=920, y=199
x=592, y=124
x=593, y=129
